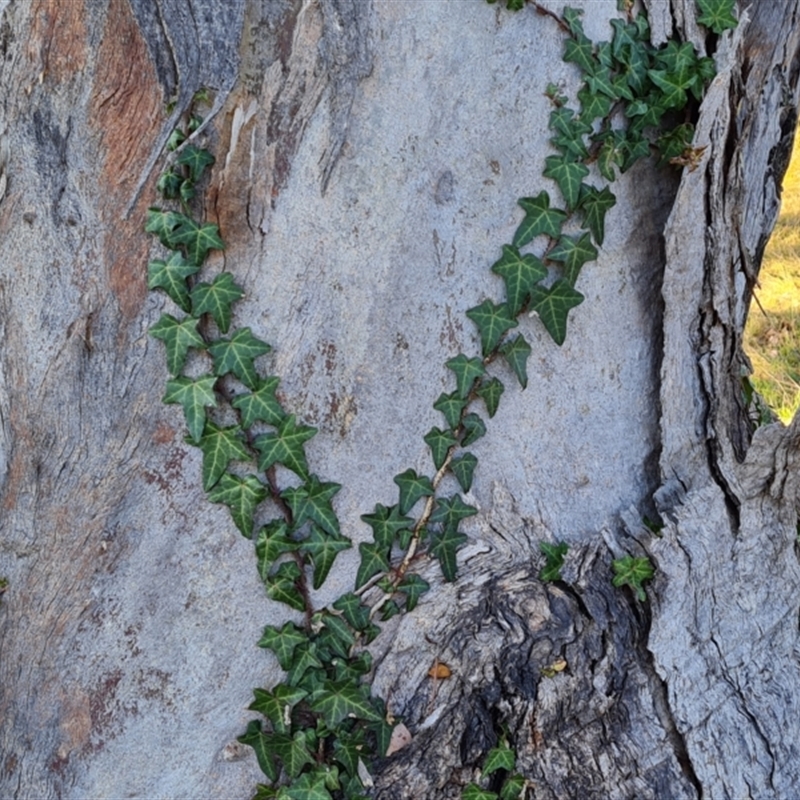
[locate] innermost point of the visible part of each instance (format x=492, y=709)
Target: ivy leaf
x=580, y=51
x=463, y=468
x=554, y=560
x=593, y=106
x=572, y=16
x=491, y=392
x=573, y=253
x=164, y=224
x=444, y=546
x=516, y=353
x=312, y=501
x=385, y=524
x=450, y=511
x=603, y=83
x=553, y=304
x=673, y=86
x=568, y=175
x=466, y=370
x=216, y=298
x=539, y=219
x=594, y=205
x=187, y=191
x=292, y=751
x=176, y=139
x=502, y=757
x=220, y=446
x=439, y=442
x=196, y=159
x=323, y=548
x=285, y=446
x=271, y=543
x=260, y=404
x=283, y=642
x=374, y=559
x=194, y=394
x=282, y=586
x=513, y=786
x=337, y=701
x=273, y=704
x=412, y=487
x=520, y=274
x=492, y=321
x=413, y=586
x=304, y=659
x=339, y=629
x=197, y=239
x=307, y=787
x=451, y=406
x=178, y=336
x=257, y=739
x=673, y=143
x=236, y=355
x=717, y=15
x=353, y=610
x=474, y=792
x=633, y=572
x=474, y=429
x=241, y=495
x=171, y=275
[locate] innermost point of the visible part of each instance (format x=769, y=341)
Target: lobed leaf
x=573, y=252
x=312, y=501
x=260, y=405
x=374, y=559
x=440, y=443
x=413, y=586
x=466, y=370
x=337, y=701
x=196, y=160
x=473, y=429
x=195, y=395
x=521, y=274
x=554, y=560
x=594, y=204
x=444, y=545
x=553, y=305
x=171, y=275
x=385, y=524
x=283, y=642
x=237, y=354
x=412, y=487
x=490, y=391
x=323, y=548
x=216, y=298
x=502, y=757
x=451, y=405
x=283, y=586
x=242, y=496
x=539, y=219
x=717, y=15
x=220, y=446
x=463, y=468
x=178, y=337
x=285, y=446
x=492, y=321
x=196, y=239
x=516, y=352
x=568, y=175
x=254, y=737
x=272, y=542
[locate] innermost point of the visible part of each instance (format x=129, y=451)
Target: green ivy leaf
x=196, y=239
x=273, y=704
x=440, y=443
x=492, y=321
x=176, y=139
x=385, y=524
x=451, y=406
x=164, y=224
x=466, y=370
x=374, y=559
x=305, y=659
x=338, y=701
x=353, y=610
x=178, y=336
x=573, y=253
x=513, y=786
x=502, y=757
x=187, y=191
x=272, y=542
x=581, y=52
x=593, y=106
x=171, y=275
x=444, y=545
x=340, y=630
x=236, y=356
x=412, y=487
x=450, y=511
x=474, y=428
x=568, y=175
x=196, y=159
x=717, y=15
x=216, y=298
x=282, y=586
x=521, y=274
x=463, y=468
x=312, y=501
x=260, y=404
x=413, y=586
x=673, y=86
x=539, y=219
x=194, y=394
x=594, y=204
x=241, y=495
x=254, y=737
x=553, y=305
x=490, y=391
x=323, y=548
x=633, y=572
x=554, y=560
x=285, y=446
x=220, y=446
x=516, y=352
x=292, y=751
x=474, y=792
x=673, y=143
x=283, y=642
x=307, y=787
x=169, y=184
x=572, y=16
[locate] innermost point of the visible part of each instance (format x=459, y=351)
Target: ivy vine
x=320, y=728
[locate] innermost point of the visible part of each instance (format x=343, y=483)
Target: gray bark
x=369, y=156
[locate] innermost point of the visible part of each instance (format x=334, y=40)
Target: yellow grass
x=772, y=337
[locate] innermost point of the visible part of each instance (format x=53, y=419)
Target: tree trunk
x=368, y=161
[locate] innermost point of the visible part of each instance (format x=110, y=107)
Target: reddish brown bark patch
x=125, y=110
x=59, y=30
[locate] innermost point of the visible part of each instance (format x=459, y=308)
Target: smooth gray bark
x=369, y=156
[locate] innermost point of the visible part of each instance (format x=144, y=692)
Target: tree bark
x=369, y=156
